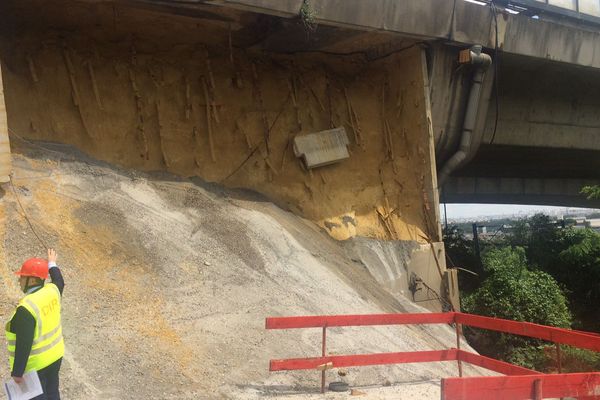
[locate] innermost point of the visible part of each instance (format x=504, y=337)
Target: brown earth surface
x=158, y=92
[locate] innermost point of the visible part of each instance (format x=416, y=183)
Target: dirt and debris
x=168, y=282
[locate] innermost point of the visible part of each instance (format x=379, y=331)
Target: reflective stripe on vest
x=48, y=344
x=39, y=340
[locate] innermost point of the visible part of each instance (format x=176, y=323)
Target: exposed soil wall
x=126, y=90
x=5, y=165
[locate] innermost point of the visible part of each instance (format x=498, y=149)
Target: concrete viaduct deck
x=534, y=134
x=537, y=132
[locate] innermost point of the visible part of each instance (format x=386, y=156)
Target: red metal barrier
x=532, y=385
x=330, y=321
x=583, y=340
x=494, y=365
x=357, y=360
x=586, y=385
x=364, y=359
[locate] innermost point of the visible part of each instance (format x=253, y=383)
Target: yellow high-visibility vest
x=48, y=345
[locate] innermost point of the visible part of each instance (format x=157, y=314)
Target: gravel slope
x=169, y=282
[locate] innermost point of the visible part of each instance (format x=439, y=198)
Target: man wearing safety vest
x=34, y=332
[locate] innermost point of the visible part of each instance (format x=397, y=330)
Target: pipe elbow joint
x=482, y=60
x=478, y=58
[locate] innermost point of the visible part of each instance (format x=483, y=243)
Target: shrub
x=512, y=291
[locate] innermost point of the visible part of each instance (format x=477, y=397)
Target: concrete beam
x=544, y=39
x=282, y=8
x=458, y=22
x=466, y=23
x=549, y=192
x=416, y=18
x=545, y=104
x=533, y=162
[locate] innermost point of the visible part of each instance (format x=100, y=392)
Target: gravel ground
x=168, y=282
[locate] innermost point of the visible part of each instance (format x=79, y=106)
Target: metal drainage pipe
x=482, y=61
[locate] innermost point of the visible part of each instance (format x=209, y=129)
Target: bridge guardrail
x=584, y=10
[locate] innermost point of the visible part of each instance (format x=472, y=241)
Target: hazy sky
x=476, y=210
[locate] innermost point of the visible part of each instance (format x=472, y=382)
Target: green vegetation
x=308, y=16
x=512, y=291
x=592, y=192
x=541, y=272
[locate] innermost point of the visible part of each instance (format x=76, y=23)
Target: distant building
x=592, y=223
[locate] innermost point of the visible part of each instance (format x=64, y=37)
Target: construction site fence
x=515, y=384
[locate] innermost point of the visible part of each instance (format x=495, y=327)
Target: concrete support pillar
x=5, y=161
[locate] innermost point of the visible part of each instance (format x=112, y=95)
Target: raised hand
x=52, y=256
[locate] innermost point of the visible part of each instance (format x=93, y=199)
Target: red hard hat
x=37, y=267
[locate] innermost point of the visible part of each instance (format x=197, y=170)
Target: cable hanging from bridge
x=495, y=14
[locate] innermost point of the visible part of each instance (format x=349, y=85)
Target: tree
x=513, y=291
x=592, y=192
x=571, y=256
x=460, y=253
x=540, y=237
x=578, y=269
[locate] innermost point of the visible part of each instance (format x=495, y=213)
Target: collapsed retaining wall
x=229, y=115
x=154, y=91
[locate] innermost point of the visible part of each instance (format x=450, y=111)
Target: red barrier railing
x=525, y=385
x=583, y=340
x=581, y=386
x=364, y=359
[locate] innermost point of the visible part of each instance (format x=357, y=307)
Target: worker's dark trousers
x=49, y=380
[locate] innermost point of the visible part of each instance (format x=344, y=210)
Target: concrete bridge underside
x=537, y=134
x=543, y=144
